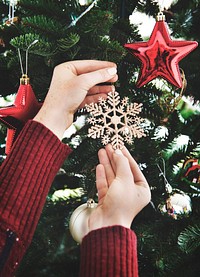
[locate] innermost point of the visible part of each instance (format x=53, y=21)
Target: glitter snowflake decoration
x=115, y=121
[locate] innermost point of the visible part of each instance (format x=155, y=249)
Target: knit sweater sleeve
x=25, y=178
x=110, y=251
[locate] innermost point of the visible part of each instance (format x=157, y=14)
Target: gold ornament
x=78, y=224
x=170, y=99
x=115, y=121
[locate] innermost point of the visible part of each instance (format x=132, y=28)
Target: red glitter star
x=160, y=55
x=25, y=107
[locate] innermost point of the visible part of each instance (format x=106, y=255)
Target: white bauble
x=181, y=203
x=177, y=205
x=78, y=224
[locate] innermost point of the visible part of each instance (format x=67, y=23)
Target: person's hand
x=73, y=85
x=122, y=189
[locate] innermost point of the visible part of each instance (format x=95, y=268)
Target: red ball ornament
x=25, y=107
x=160, y=55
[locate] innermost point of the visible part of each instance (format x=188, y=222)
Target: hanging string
x=20, y=58
x=73, y=23
x=34, y=42
x=20, y=61
x=163, y=173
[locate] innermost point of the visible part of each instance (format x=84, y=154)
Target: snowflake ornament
x=115, y=121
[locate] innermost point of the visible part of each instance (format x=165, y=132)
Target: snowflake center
x=115, y=119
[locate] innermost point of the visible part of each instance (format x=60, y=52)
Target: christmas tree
x=168, y=241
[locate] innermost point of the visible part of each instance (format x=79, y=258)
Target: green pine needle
x=189, y=239
x=66, y=43
x=43, y=24
x=42, y=48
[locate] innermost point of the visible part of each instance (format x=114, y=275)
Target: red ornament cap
x=160, y=55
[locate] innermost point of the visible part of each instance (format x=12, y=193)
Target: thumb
x=90, y=79
x=122, y=166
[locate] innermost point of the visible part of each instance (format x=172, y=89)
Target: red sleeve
x=25, y=178
x=110, y=251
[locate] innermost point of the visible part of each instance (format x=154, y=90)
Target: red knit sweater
x=25, y=178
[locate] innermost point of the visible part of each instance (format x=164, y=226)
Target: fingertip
x=99, y=171
x=103, y=156
x=112, y=64
x=112, y=71
x=101, y=152
x=99, y=167
x=100, y=176
x=109, y=150
x=119, y=155
x=109, y=147
x=114, y=79
x=112, y=88
x=118, y=152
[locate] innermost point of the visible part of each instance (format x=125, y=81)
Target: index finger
x=86, y=66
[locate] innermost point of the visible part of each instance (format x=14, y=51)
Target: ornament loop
x=91, y=203
x=160, y=16
x=24, y=80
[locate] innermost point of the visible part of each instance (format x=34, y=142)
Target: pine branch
x=43, y=24
x=97, y=23
x=189, y=239
x=111, y=49
x=65, y=43
x=50, y=7
x=42, y=48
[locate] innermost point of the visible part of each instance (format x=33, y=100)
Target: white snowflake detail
x=115, y=121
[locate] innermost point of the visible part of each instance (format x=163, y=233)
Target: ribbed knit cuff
x=110, y=251
x=26, y=176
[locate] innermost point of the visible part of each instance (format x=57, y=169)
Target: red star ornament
x=160, y=55
x=25, y=107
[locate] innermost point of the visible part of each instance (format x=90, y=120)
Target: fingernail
x=112, y=70
x=118, y=152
